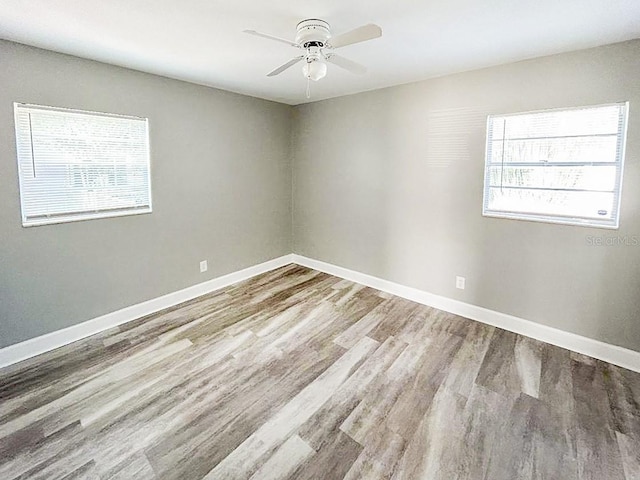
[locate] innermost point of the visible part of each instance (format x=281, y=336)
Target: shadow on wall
x=344, y=183
x=435, y=192
x=556, y=275
x=620, y=252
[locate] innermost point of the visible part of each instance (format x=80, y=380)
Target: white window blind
x=561, y=166
x=77, y=165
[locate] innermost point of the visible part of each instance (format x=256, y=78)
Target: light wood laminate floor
x=296, y=374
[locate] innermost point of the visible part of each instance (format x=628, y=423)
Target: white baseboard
x=35, y=346
x=614, y=354
x=594, y=348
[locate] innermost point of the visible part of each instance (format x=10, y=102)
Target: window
x=560, y=166
x=76, y=165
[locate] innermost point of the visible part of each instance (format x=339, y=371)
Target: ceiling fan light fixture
x=317, y=43
x=314, y=70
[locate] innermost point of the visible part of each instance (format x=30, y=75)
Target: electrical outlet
x=203, y=266
x=460, y=283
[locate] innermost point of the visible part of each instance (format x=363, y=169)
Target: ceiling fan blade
x=347, y=64
x=271, y=37
x=360, y=34
x=282, y=68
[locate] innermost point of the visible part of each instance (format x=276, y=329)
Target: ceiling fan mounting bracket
x=313, y=32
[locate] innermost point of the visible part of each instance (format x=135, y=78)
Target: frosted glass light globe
x=314, y=70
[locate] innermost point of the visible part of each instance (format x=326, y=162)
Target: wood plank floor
x=296, y=374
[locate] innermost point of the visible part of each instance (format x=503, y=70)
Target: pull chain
x=308, y=87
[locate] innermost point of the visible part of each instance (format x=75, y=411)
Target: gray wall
x=387, y=182
x=390, y=183
x=221, y=176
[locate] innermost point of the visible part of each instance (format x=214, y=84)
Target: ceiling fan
x=314, y=37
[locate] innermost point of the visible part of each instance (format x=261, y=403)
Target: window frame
x=557, y=218
x=69, y=217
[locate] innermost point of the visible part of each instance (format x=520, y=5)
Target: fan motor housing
x=313, y=33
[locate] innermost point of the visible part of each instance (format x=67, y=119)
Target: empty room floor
x=296, y=374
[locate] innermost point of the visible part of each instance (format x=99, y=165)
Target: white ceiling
x=201, y=41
